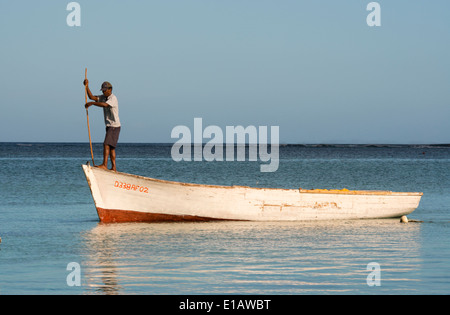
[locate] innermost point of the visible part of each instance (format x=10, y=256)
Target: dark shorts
x=112, y=136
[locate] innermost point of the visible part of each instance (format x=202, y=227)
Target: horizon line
x=280, y=144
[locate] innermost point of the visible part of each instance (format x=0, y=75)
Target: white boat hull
x=121, y=197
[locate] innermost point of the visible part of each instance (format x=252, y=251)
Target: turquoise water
x=48, y=220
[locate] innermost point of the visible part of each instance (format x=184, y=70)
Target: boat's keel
x=118, y=216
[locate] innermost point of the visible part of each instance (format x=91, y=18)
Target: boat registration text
x=128, y=186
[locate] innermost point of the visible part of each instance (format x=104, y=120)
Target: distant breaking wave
x=418, y=146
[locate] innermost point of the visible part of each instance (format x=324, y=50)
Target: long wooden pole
x=87, y=115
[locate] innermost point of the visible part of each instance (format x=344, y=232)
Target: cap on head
x=106, y=85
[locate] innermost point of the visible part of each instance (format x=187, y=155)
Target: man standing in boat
x=111, y=112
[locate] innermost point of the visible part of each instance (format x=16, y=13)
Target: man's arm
x=90, y=95
x=99, y=104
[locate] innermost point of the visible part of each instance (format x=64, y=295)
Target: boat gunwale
x=300, y=190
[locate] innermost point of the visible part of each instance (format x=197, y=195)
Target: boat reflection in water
x=251, y=257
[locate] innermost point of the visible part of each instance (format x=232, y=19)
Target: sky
x=315, y=68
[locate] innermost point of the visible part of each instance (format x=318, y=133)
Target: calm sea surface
x=48, y=220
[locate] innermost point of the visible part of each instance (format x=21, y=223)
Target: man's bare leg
x=106, y=152
x=112, y=154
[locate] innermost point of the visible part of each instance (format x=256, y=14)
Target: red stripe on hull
x=117, y=216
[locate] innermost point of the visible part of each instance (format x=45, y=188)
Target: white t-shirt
x=111, y=112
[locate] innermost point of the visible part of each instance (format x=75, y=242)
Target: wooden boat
x=121, y=197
